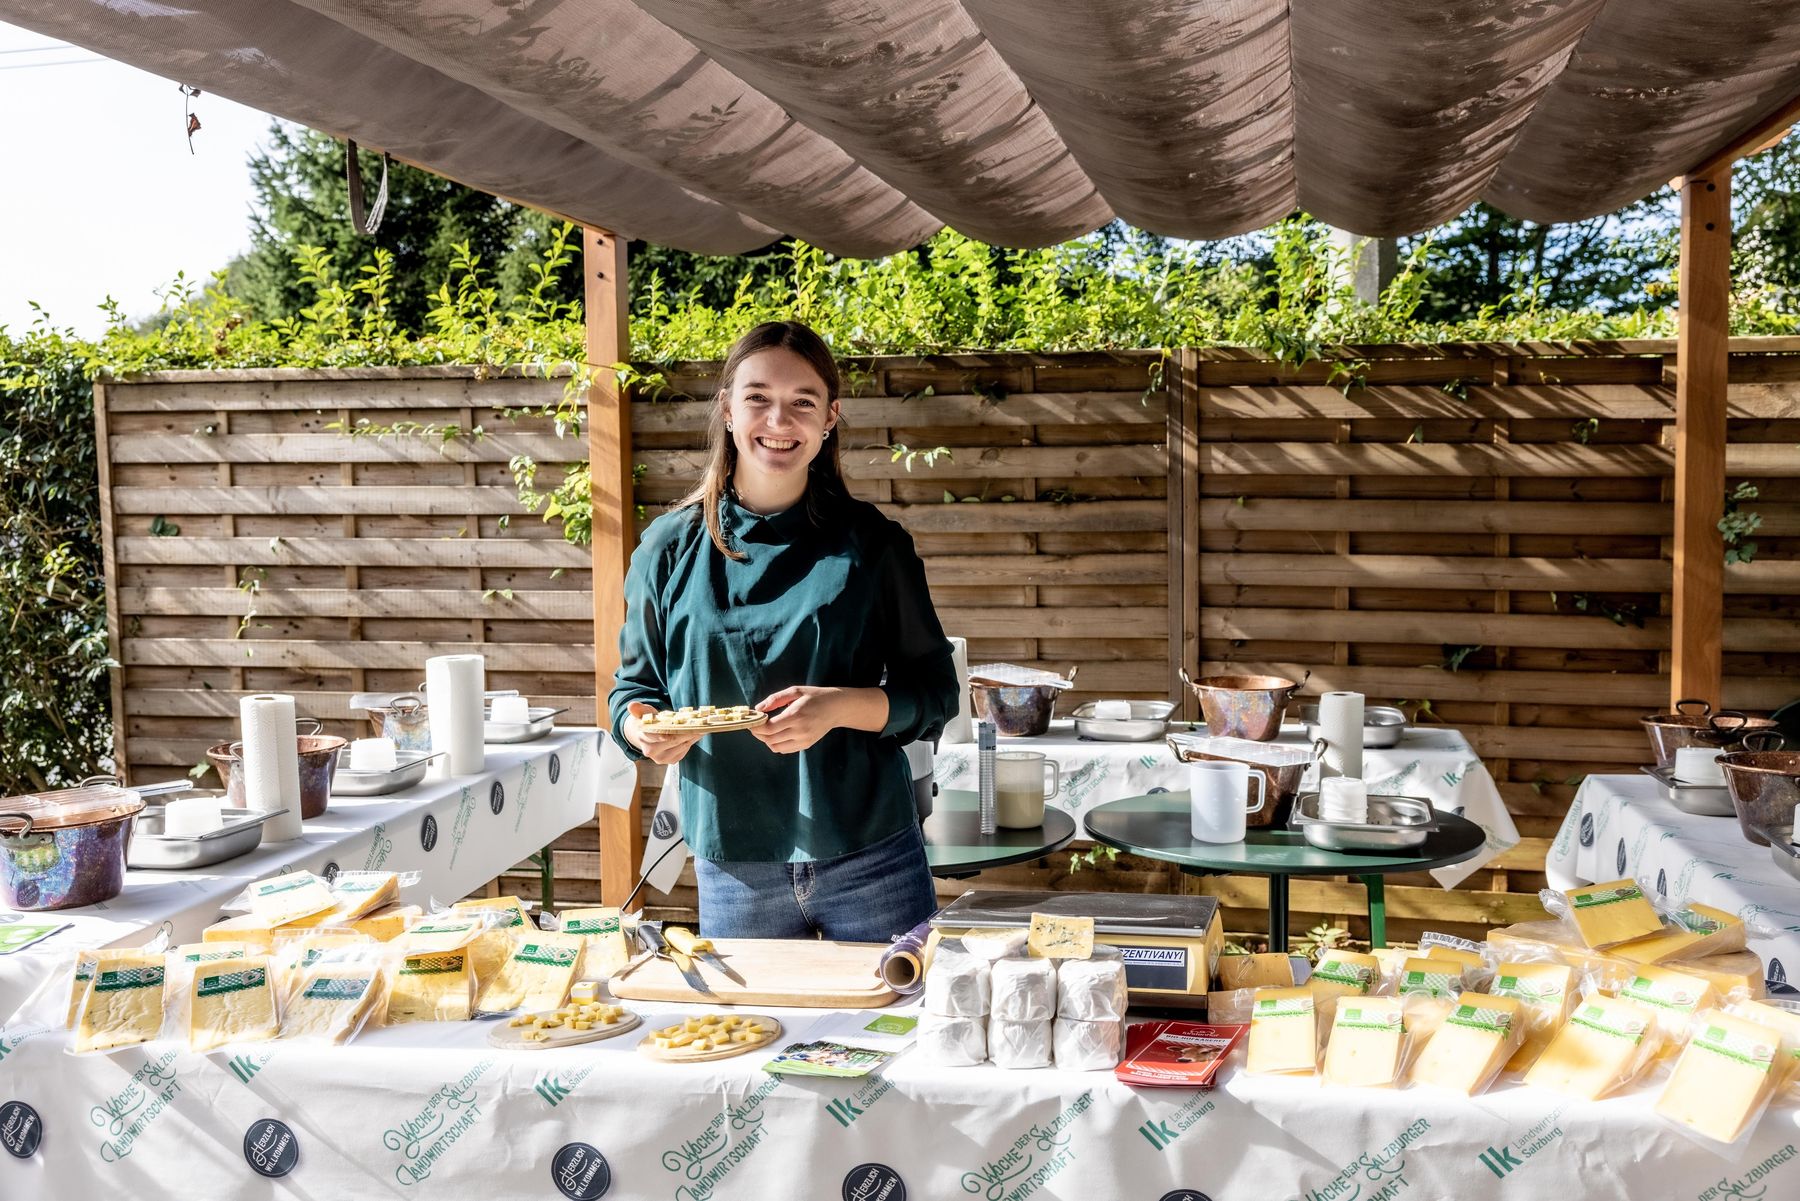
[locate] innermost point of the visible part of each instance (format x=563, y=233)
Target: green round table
x=1158, y=826
x=955, y=846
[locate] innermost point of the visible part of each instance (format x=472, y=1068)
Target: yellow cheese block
x=301, y=954
x=1727, y=1071
x=1784, y=1021
x=1060, y=937
x=536, y=976
x=1544, y=994
x=1431, y=977
x=1255, y=971
x=1367, y=1035
x=1700, y=930
x=288, y=898
x=607, y=952
x=248, y=928
x=1344, y=974
x=81, y=974
x=212, y=952
x=1553, y=939
x=495, y=944
x=1600, y=1048
x=1734, y=972
x=359, y=894
x=510, y=909
x=1456, y=955
x=432, y=987
x=124, y=1003
x=1469, y=1048
x=436, y=935
x=385, y=925
x=1283, y=1031
x=331, y=1001
x=1391, y=959
x=1676, y=994
x=231, y=1002
x=1612, y=913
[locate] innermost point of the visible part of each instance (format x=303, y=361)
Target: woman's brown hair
x=721, y=459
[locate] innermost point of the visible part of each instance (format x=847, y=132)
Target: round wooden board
x=678, y=1055
x=505, y=1035
x=655, y=725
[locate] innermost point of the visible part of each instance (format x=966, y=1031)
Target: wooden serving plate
x=508, y=1037
x=803, y=973
x=770, y=1028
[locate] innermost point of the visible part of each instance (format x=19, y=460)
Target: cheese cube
x=1699, y=931
x=430, y=988
x=1429, y=977
x=331, y=1002
x=1053, y=937
x=1722, y=1079
x=247, y=928
x=536, y=976
x=1283, y=1031
x=584, y=990
x=1612, y=913
x=1469, y=1048
x=230, y=1002
x=124, y=1003
x=1255, y=971
x=1542, y=990
x=1600, y=1048
x=607, y=951
x=288, y=898
x=1367, y=1034
x=1343, y=974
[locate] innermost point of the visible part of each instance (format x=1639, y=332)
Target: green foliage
x=1737, y=525
x=1098, y=857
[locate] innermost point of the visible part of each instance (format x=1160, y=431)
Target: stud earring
x=827, y=435
x=728, y=427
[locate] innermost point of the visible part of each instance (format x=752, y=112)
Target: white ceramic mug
x=1019, y=785
x=1218, y=792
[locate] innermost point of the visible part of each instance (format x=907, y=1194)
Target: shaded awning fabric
x=863, y=126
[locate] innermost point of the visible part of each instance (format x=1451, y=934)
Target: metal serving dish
x=1783, y=850
x=410, y=771
x=1383, y=725
x=1695, y=724
x=1149, y=720
x=543, y=720
x=153, y=851
x=1396, y=823
x=1701, y=800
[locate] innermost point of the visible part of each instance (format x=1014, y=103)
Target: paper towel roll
x=961, y=728
x=272, y=762
x=1341, y=725
x=453, y=691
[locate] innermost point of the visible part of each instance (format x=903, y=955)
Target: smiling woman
x=770, y=586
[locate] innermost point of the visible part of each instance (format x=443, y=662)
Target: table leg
x=1376, y=887
x=547, y=877
x=1278, y=914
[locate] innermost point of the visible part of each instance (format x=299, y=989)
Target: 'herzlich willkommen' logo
x=555, y=767
x=21, y=1130
x=428, y=832
x=496, y=798
x=873, y=1182
x=1621, y=856
x=1587, y=829
x=580, y=1172
x=270, y=1148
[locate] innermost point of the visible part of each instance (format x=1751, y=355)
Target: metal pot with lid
x=1695, y=724
x=66, y=847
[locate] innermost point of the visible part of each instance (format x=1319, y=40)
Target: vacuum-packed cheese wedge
x=1255, y=971
x=1544, y=995
x=232, y=1001
x=331, y=1001
x=438, y=935
x=123, y=1004
x=212, y=952
x=1601, y=1047
x=430, y=987
x=1441, y=978
x=1367, y=1035
x=81, y=974
x=1783, y=1021
x=1283, y=1031
x=509, y=907
x=1702, y=931
x=1675, y=994
x=288, y=898
x=496, y=943
x=385, y=925
x=1733, y=972
x=1554, y=939
x=1471, y=1045
x=1727, y=1071
x=359, y=894
x=1608, y=914
x=1344, y=974
x=1391, y=959
x=536, y=976
x=247, y=928
x=1455, y=955
x=607, y=952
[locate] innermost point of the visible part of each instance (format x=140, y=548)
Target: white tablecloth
x=431, y=1110
x=1620, y=826
x=1433, y=762
x=457, y=833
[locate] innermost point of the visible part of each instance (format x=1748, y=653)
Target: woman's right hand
x=658, y=747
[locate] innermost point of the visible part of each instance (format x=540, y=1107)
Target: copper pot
x=1244, y=706
x=1282, y=776
x=318, y=764
x=1764, y=787
x=1695, y=724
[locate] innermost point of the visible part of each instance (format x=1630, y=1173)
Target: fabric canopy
x=863, y=126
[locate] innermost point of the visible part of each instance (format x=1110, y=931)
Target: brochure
x=1176, y=1054
x=846, y=1045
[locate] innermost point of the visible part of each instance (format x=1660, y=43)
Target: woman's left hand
x=807, y=715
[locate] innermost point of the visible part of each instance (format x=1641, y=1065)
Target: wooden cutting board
x=805, y=973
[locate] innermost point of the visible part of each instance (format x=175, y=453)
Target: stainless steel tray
x=1396, y=823
x=1702, y=800
x=1383, y=725
x=1783, y=850
x=151, y=851
x=1149, y=720
x=543, y=720
x=411, y=770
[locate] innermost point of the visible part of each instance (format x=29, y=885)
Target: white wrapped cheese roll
x=1088, y=1046
x=1091, y=990
x=952, y=1042
x=1019, y=1044
x=1024, y=990
x=957, y=985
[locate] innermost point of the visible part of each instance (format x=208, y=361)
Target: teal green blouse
x=831, y=593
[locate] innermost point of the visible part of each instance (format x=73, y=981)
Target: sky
x=102, y=196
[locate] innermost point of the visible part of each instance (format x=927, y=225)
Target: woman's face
x=778, y=412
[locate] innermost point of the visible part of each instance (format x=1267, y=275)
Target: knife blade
x=659, y=942
x=684, y=940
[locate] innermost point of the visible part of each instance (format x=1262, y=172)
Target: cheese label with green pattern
x=1594, y=1017
x=230, y=982
x=1351, y=975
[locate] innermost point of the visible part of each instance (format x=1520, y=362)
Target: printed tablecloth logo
x=127, y=1115
x=1621, y=856
x=330, y=872
x=580, y=1172
x=20, y=1129
x=873, y=1182
x=1587, y=829
x=428, y=832
x=555, y=768
x=496, y=798
x=1184, y=1194
x=665, y=824
x=1662, y=882
x=270, y=1148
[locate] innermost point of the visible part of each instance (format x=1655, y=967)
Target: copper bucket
x=1244, y=706
x=1764, y=786
x=1695, y=724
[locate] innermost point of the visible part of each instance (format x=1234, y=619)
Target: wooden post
x=1701, y=368
x=607, y=298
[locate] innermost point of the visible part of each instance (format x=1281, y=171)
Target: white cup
x=374, y=754
x=1219, y=792
x=1019, y=786
x=1343, y=799
x=1699, y=765
x=509, y=710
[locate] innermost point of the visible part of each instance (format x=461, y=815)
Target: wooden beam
x=1760, y=136
x=608, y=300
x=1701, y=367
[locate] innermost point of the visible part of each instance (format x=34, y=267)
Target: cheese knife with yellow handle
x=684, y=941
x=651, y=935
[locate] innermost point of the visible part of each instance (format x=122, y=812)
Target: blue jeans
x=871, y=895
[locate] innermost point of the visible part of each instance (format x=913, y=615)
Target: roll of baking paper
x=1341, y=725
x=272, y=763
x=961, y=728
x=902, y=966
x=453, y=692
